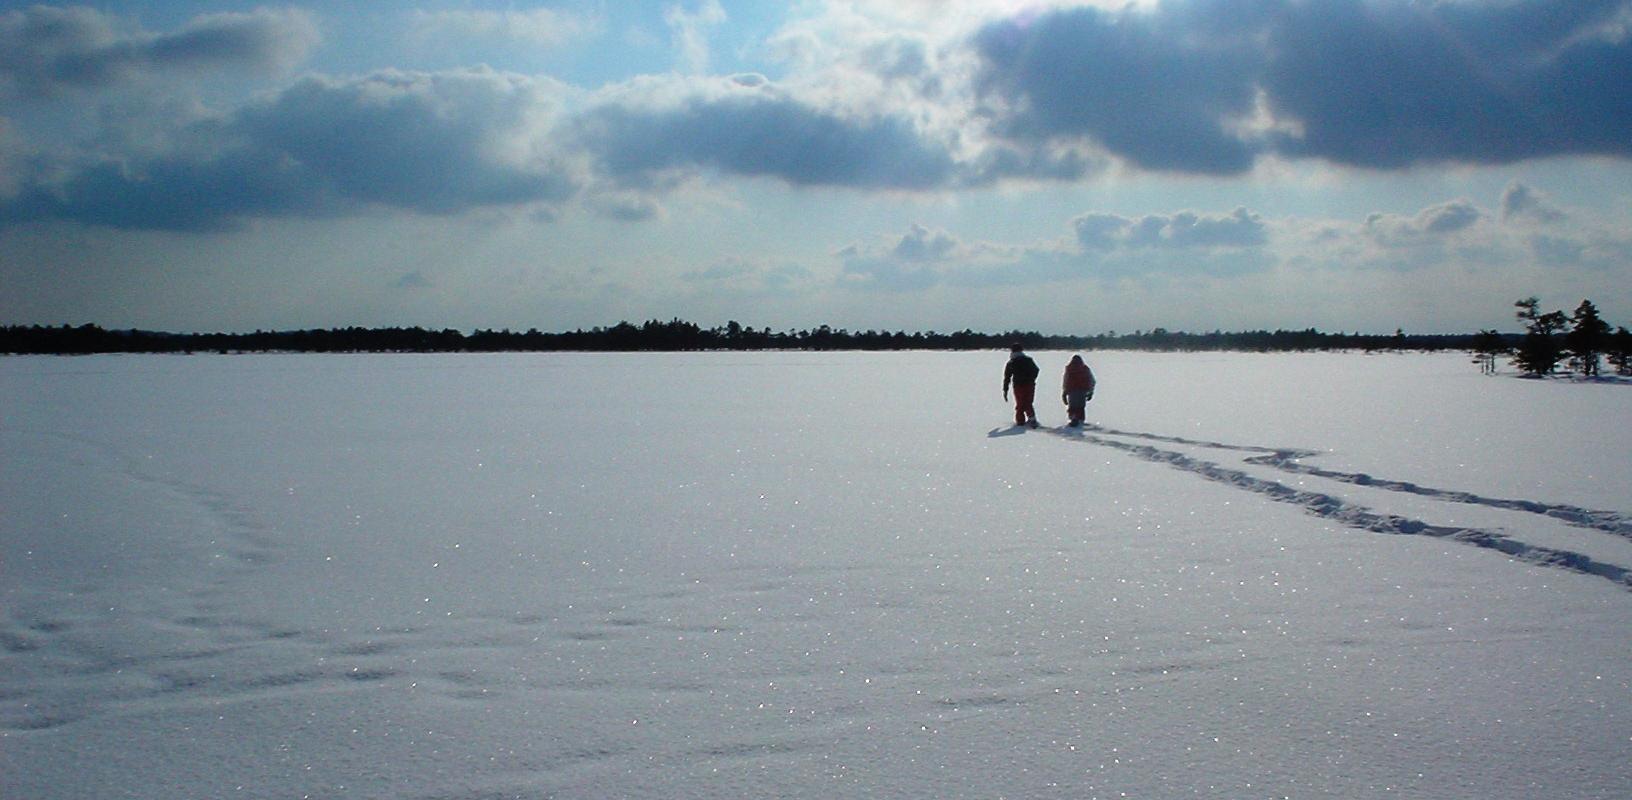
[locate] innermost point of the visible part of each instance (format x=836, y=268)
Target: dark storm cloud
x=322, y=147
x=1384, y=84
x=759, y=136
x=46, y=49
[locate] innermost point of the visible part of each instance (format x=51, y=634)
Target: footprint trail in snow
x=1363, y=517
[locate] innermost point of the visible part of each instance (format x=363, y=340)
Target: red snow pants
x=1024, y=394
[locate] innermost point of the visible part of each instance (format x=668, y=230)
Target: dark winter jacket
x=1020, y=369
x=1078, y=377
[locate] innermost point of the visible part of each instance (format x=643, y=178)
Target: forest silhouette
x=1550, y=339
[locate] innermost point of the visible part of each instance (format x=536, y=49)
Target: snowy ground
x=822, y=575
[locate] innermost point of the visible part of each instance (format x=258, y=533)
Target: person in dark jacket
x=1078, y=389
x=1022, y=372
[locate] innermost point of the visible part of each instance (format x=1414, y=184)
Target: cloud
x=757, y=133
x=1429, y=226
x=1156, y=88
x=1208, y=86
x=923, y=244
x=434, y=142
x=847, y=52
x=996, y=162
x=1520, y=202
x=541, y=26
x=887, y=274
x=1459, y=235
x=1104, y=247
x=1238, y=229
x=898, y=58
x=1449, y=217
x=45, y=50
x=1558, y=250
x=919, y=259
x=1188, y=86
x=1395, y=84
x=179, y=193
x=437, y=143
x=446, y=142
x=808, y=133
x=691, y=32
x=1606, y=250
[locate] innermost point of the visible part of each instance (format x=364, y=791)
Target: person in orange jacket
x=1078, y=386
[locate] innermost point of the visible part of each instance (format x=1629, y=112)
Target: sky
x=1067, y=167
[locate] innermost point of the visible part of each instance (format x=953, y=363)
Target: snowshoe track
x=1356, y=515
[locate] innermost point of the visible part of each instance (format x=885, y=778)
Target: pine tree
x=1620, y=350
x=1486, y=347
x=1540, y=351
x=1586, y=340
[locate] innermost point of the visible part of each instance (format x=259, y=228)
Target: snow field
x=805, y=575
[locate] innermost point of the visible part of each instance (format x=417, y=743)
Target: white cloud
x=923, y=244
x=1520, y=202
x=543, y=26
x=1430, y=226
x=690, y=30
x=1104, y=248
x=1454, y=240
x=1185, y=229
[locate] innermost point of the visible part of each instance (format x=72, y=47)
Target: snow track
x=1355, y=515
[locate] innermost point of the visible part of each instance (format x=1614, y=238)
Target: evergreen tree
x=1540, y=351
x=1585, y=341
x=1620, y=350
x=1487, y=346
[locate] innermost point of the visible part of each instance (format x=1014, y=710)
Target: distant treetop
x=679, y=335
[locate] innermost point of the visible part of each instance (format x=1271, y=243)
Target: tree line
x=1551, y=341
x=679, y=335
x=1578, y=342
